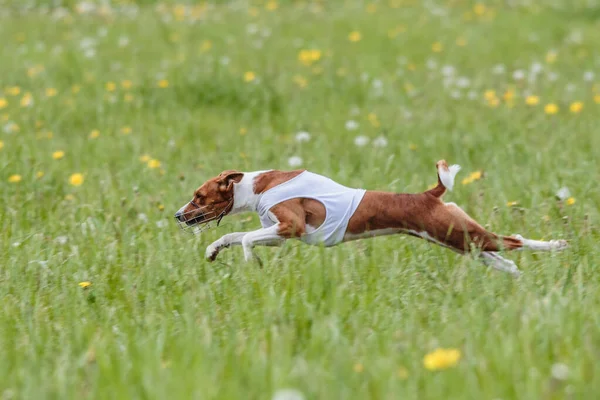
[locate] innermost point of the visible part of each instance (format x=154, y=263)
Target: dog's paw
x=559, y=245
x=211, y=252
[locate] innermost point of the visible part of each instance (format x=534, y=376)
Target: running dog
x=302, y=205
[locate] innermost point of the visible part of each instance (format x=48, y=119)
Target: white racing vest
x=340, y=203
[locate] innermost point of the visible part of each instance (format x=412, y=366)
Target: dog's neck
x=244, y=198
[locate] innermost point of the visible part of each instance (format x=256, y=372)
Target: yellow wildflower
x=3, y=103
x=39, y=174
x=437, y=47
x=597, y=99
x=13, y=90
x=476, y=175
x=570, y=201
x=94, y=134
x=551, y=109
x=441, y=359
x=358, y=368
x=69, y=197
x=1, y=144
x=249, y=76
x=372, y=117
x=111, y=86
x=243, y=131
x=14, y=178
x=479, y=8
x=145, y=158
x=205, y=46
x=551, y=57
x=532, y=100
x=75, y=89
x=489, y=94
x=412, y=146
x=152, y=163
x=493, y=102
x=126, y=130
x=354, y=36
x=473, y=176
x=161, y=207
x=57, y=155
x=271, y=5
x=163, y=83
x=33, y=71
x=26, y=100
x=512, y=203
x=461, y=41
x=308, y=57
x=126, y=84
x=128, y=97
x=508, y=95
x=576, y=107
x=402, y=373
x=371, y=8
x=76, y=179
x=85, y=285
x=51, y=92
x=300, y=81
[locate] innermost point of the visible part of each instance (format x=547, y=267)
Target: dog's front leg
x=265, y=237
x=231, y=239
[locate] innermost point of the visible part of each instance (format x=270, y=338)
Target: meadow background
x=112, y=113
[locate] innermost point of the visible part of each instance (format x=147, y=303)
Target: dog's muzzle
x=198, y=219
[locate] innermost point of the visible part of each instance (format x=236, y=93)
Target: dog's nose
x=179, y=214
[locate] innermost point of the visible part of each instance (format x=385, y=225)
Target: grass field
x=110, y=117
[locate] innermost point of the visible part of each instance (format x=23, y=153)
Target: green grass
x=160, y=322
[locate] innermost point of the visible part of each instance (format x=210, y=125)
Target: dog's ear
x=228, y=178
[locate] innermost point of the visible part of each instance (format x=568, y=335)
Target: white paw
x=248, y=255
x=211, y=252
x=559, y=245
x=515, y=273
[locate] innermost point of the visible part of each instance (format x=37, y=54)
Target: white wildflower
x=463, y=82
x=294, y=161
x=302, y=136
x=588, y=76
x=380, y=141
x=288, y=394
x=499, y=69
x=536, y=68
x=143, y=217
x=563, y=193
x=448, y=70
x=361, y=141
x=518, y=75
x=351, y=125
x=123, y=41
x=560, y=371
x=61, y=239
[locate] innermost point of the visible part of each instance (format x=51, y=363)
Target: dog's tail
x=446, y=177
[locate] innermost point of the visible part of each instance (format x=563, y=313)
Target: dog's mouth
x=199, y=219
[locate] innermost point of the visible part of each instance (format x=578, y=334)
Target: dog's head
x=211, y=201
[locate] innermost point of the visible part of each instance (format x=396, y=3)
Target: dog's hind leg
x=556, y=245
